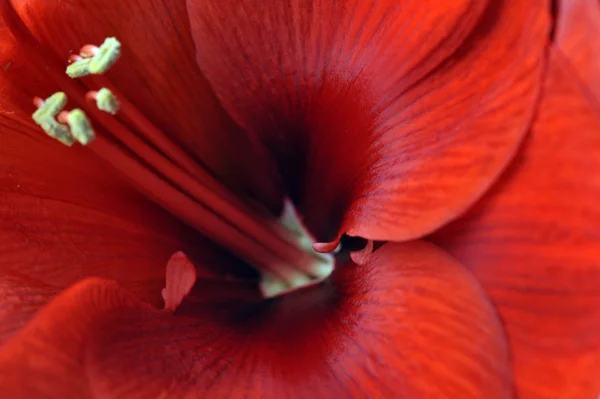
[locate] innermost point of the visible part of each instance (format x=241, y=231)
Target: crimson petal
x=410, y=323
x=386, y=118
x=45, y=360
x=577, y=30
x=20, y=299
x=533, y=242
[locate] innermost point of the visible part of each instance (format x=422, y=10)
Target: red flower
x=476, y=121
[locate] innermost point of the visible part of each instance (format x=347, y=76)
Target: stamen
x=156, y=137
x=79, y=68
x=108, y=53
x=181, y=277
x=45, y=116
x=57, y=131
x=49, y=107
x=106, y=101
x=81, y=128
x=102, y=60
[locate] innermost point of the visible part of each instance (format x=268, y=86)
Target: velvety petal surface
x=534, y=244
x=411, y=323
x=157, y=73
x=64, y=214
x=20, y=299
x=386, y=118
x=577, y=32
x=46, y=359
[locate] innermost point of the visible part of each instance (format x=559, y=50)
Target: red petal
x=533, y=242
x=412, y=323
x=46, y=359
x=20, y=299
x=386, y=118
x=156, y=72
x=577, y=32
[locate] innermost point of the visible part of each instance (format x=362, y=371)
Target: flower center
x=280, y=248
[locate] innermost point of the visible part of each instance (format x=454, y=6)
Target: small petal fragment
x=181, y=276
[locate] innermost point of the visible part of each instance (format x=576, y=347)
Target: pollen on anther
x=81, y=128
x=106, y=56
x=106, y=101
x=49, y=107
x=108, y=53
x=57, y=131
x=79, y=68
x=45, y=116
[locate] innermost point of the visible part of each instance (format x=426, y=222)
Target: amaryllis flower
x=298, y=199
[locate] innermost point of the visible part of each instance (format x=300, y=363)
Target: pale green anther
x=50, y=108
x=106, y=101
x=79, y=68
x=81, y=128
x=108, y=53
x=57, y=131
x=45, y=116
